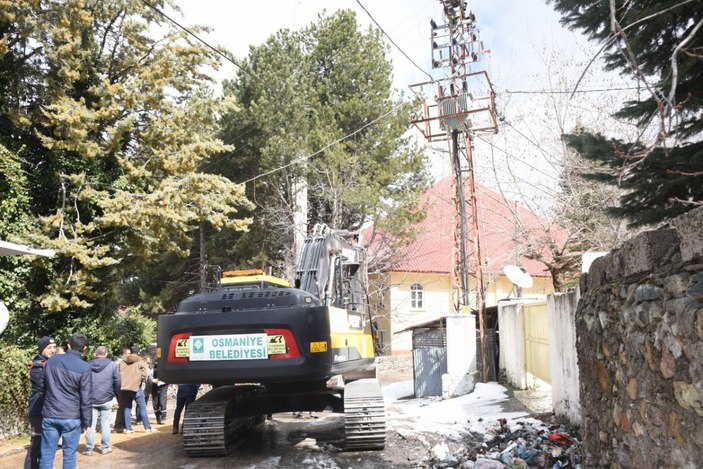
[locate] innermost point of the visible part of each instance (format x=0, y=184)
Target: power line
x=600, y=90
x=197, y=38
x=515, y=158
x=306, y=157
x=536, y=145
x=229, y=59
x=393, y=42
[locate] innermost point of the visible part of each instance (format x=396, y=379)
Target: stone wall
x=640, y=350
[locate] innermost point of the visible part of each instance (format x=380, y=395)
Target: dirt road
x=289, y=442
x=309, y=442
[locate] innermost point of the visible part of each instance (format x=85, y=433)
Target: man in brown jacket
x=133, y=372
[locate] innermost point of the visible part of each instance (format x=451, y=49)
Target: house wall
x=500, y=287
x=390, y=298
x=436, y=303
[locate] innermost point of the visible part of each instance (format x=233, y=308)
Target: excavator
x=268, y=346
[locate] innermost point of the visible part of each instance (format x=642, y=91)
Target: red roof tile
x=503, y=226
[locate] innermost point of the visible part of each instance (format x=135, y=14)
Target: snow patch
x=477, y=412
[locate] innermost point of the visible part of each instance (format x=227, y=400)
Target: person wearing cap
x=68, y=403
x=46, y=349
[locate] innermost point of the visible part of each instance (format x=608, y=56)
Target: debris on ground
x=517, y=445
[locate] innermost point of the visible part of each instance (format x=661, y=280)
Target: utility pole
x=463, y=107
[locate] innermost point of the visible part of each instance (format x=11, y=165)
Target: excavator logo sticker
x=317, y=347
x=276, y=344
x=182, y=349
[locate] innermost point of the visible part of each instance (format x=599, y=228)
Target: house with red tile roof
x=417, y=285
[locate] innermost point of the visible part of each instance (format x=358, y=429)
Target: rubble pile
x=521, y=445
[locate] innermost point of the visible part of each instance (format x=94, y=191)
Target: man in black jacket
x=106, y=386
x=68, y=405
x=47, y=349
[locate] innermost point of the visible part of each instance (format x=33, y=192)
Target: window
x=416, y=296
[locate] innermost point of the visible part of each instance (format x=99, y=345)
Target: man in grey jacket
x=106, y=385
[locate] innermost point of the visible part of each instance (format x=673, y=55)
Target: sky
x=512, y=30
x=530, y=53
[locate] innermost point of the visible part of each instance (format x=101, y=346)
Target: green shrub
x=129, y=329
x=14, y=391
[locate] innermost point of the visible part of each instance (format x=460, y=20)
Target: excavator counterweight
x=268, y=348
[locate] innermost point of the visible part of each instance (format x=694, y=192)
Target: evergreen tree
x=298, y=96
x=108, y=105
x=660, y=44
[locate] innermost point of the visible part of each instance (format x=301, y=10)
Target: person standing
x=145, y=389
x=119, y=417
x=185, y=395
x=159, y=395
x=106, y=385
x=47, y=349
x=134, y=372
x=67, y=411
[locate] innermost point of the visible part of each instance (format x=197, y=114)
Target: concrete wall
x=561, y=308
x=512, y=343
x=640, y=350
x=461, y=355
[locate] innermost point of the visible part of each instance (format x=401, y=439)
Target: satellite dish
x=518, y=276
x=4, y=317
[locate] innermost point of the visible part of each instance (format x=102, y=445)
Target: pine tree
x=297, y=95
x=114, y=117
x=660, y=43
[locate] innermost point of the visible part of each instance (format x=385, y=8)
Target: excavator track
x=364, y=415
x=210, y=427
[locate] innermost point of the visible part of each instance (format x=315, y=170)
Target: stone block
x=649, y=355
x=631, y=290
x=644, y=411
x=696, y=290
x=667, y=364
x=596, y=274
x=632, y=389
x=674, y=431
x=648, y=251
x=688, y=396
x=656, y=416
x=638, y=428
x=655, y=313
x=603, y=377
x=616, y=414
x=688, y=229
x=625, y=422
x=647, y=292
x=676, y=284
